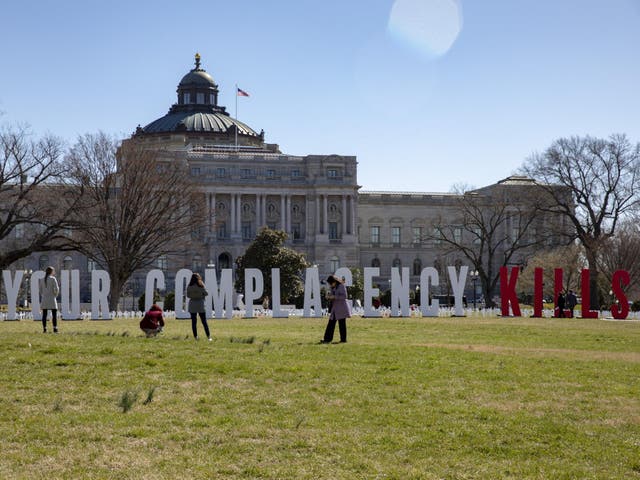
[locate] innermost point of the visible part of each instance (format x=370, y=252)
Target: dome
x=200, y=122
x=198, y=78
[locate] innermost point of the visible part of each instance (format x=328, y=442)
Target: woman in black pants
x=196, y=293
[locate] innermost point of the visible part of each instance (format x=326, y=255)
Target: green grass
x=443, y=398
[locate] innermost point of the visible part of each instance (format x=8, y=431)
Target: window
x=457, y=235
x=437, y=235
x=333, y=231
x=295, y=173
x=186, y=97
x=395, y=235
x=397, y=263
x=200, y=98
x=212, y=99
x=162, y=262
x=271, y=173
x=222, y=230
x=417, y=266
x=220, y=172
x=246, y=231
x=66, y=263
x=334, y=264
x=417, y=235
x=295, y=231
x=19, y=230
x=375, y=263
x=477, y=235
x=195, y=171
x=43, y=262
x=375, y=234
x=332, y=173
x=196, y=263
x=245, y=172
x=91, y=265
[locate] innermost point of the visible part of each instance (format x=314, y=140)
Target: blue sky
x=426, y=93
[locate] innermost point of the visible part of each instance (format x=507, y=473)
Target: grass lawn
x=441, y=398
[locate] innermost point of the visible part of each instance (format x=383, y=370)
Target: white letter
x=370, y=292
x=182, y=278
x=457, y=284
x=222, y=298
x=70, y=308
x=400, y=292
x=252, y=276
x=275, y=295
x=12, y=288
x=35, y=293
x=153, y=277
x=100, y=287
x=429, y=276
x=345, y=272
x=312, y=293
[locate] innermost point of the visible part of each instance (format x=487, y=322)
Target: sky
x=427, y=94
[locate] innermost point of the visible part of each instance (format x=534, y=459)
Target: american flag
x=242, y=93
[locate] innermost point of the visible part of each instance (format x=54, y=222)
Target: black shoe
x=44, y=331
x=55, y=330
x=323, y=342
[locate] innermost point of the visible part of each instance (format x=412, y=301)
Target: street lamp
x=27, y=276
x=417, y=295
x=474, y=279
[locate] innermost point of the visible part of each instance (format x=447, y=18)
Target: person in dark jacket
x=152, y=322
x=560, y=303
x=572, y=301
x=196, y=293
x=339, y=310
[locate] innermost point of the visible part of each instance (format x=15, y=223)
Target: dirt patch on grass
x=567, y=353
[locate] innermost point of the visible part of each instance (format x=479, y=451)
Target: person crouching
x=152, y=322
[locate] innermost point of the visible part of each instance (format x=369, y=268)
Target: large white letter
x=100, y=287
x=457, y=284
x=153, y=277
x=35, y=293
x=400, y=292
x=370, y=292
x=182, y=278
x=345, y=272
x=312, y=293
x=12, y=288
x=252, y=276
x=70, y=307
x=222, y=297
x=275, y=295
x=429, y=276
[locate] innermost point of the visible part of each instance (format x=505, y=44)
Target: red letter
x=557, y=287
x=537, y=292
x=586, y=297
x=620, y=278
x=508, y=291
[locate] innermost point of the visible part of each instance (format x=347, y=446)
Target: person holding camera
x=338, y=311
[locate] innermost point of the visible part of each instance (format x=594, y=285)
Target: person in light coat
x=339, y=310
x=49, y=291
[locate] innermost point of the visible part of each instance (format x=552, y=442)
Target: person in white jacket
x=49, y=291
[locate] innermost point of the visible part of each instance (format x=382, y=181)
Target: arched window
x=43, y=262
x=375, y=263
x=224, y=261
x=417, y=266
x=66, y=263
x=397, y=263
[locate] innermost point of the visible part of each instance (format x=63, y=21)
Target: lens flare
x=430, y=26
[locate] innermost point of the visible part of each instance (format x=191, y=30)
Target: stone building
x=249, y=184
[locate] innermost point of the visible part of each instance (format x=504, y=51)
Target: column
x=354, y=219
x=283, y=217
x=232, y=214
x=258, y=211
x=326, y=214
x=317, y=222
x=264, y=210
x=288, y=230
x=344, y=215
x=307, y=210
x=212, y=217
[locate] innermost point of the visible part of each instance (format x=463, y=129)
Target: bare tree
x=622, y=252
x=136, y=206
x=490, y=230
x=36, y=203
x=600, y=180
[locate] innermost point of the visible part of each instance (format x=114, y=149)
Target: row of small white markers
x=357, y=312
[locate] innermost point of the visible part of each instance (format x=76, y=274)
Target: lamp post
x=417, y=295
x=27, y=276
x=474, y=279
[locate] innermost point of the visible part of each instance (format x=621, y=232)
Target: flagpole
x=236, y=129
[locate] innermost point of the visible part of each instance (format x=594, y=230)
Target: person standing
x=572, y=301
x=196, y=293
x=560, y=303
x=49, y=291
x=339, y=310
